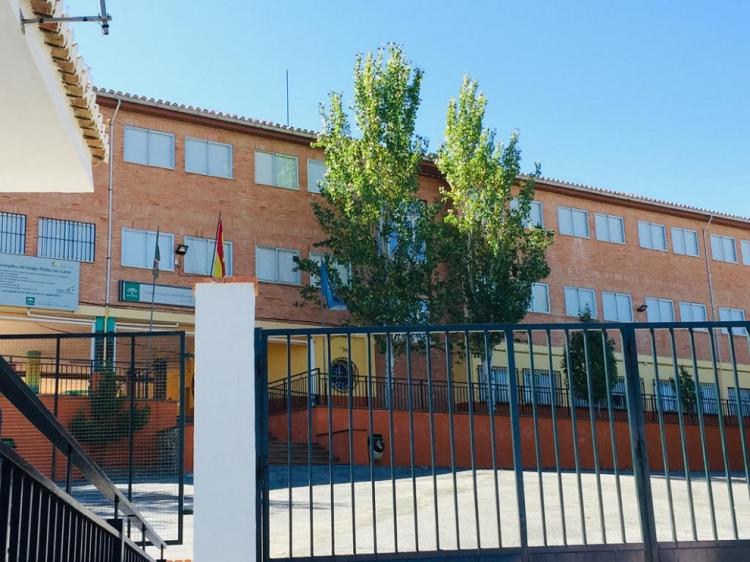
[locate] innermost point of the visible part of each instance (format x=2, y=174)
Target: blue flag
x=332, y=301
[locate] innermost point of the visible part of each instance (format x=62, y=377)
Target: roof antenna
x=287, y=97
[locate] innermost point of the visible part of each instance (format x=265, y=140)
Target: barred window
x=12, y=233
x=66, y=240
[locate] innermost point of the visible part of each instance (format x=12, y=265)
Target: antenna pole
x=287, y=97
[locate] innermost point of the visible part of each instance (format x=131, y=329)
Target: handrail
x=302, y=375
x=21, y=396
x=9, y=455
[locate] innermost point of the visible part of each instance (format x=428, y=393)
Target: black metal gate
x=581, y=441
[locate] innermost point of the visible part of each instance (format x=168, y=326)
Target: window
x=543, y=384
x=316, y=173
x=495, y=387
x=652, y=236
x=276, y=169
x=743, y=399
x=610, y=228
x=66, y=240
x=12, y=233
x=208, y=158
x=200, y=256
x=659, y=310
x=745, y=244
x=539, y=298
x=684, y=241
x=536, y=213
x=152, y=148
x=341, y=269
x=692, y=312
x=277, y=265
x=138, y=249
x=723, y=248
x=617, y=307
x=573, y=222
x=709, y=398
x=732, y=314
x=578, y=300
x=666, y=394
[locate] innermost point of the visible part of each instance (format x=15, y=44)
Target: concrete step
x=278, y=453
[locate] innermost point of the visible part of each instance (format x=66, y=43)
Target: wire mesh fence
x=121, y=396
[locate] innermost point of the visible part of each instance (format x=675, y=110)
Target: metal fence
x=121, y=396
x=402, y=442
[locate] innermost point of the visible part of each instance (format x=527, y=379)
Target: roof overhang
x=51, y=130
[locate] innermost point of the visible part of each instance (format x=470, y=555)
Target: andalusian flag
x=218, y=267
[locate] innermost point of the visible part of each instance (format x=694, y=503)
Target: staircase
x=278, y=453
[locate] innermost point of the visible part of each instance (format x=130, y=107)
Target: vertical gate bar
x=351, y=438
x=44, y=518
x=535, y=416
x=573, y=422
x=330, y=440
x=68, y=469
x=493, y=446
x=702, y=429
x=472, y=449
x=181, y=444
x=613, y=438
x=410, y=397
x=663, y=442
x=370, y=426
x=261, y=444
x=55, y=404
x=35, y=496
x=431, y=420
x=683, y=437
x=309, y=404
x=722, y=433
x=740, y=415
x=452, y=433
x=555, y=437
x=515, y=423
x=391, y=450
x=592, y=424
x=289, y=437
x=637, y=430
x=131, y=416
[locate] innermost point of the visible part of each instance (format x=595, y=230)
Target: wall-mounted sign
x=39, y=282
x=134, y=291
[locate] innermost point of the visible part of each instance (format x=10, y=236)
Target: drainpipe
x=711, y=300
x=108, y=274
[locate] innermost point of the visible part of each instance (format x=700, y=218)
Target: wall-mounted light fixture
x=642, y=308
x=181, y=249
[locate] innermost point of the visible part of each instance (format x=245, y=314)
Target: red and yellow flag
x=219, y=268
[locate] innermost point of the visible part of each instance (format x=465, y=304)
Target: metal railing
x=65, y=528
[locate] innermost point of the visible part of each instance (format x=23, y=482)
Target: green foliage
x=493, y=255
x=107, y=418
x=369, y=208
x=601, y=362
x=687, y=394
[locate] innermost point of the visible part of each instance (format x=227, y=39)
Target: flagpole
x=216, y=245
x=155, y=274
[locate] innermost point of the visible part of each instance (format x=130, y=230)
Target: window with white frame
x=208, y=158
x=723, y=248
x=573, y=222
x=685, y=241
x=709, y=398
x=732, y=314
x=692, y=312
x=743, y=398
x=277, y=265
x=745, y=246
x=578, y=300
x=200, y=256
x=536, y=213
x=652, y=236
x=610, y=228
x=659, y=310
x=149, y=147
x=279, y=170
x=341, y=269
x=316, y=173
x=617, y=307
x=66, y=240
x=539, y=298
x=666, y=393
x=12, y=233
x=138, y=247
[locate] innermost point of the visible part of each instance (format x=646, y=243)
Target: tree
x=494, y=254
x=600, y=355
x=370, y=211
x=687, y=390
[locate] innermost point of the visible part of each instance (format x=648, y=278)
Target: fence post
x=641, y=469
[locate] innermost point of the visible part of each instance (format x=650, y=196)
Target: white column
x=224, y=469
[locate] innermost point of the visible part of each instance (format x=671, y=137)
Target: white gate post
x=224, y=466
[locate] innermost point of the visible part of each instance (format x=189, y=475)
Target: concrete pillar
x=224, y=471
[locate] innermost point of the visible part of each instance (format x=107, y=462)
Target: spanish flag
x=218, y=267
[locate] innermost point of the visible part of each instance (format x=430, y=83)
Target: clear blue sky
x=650, y=98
